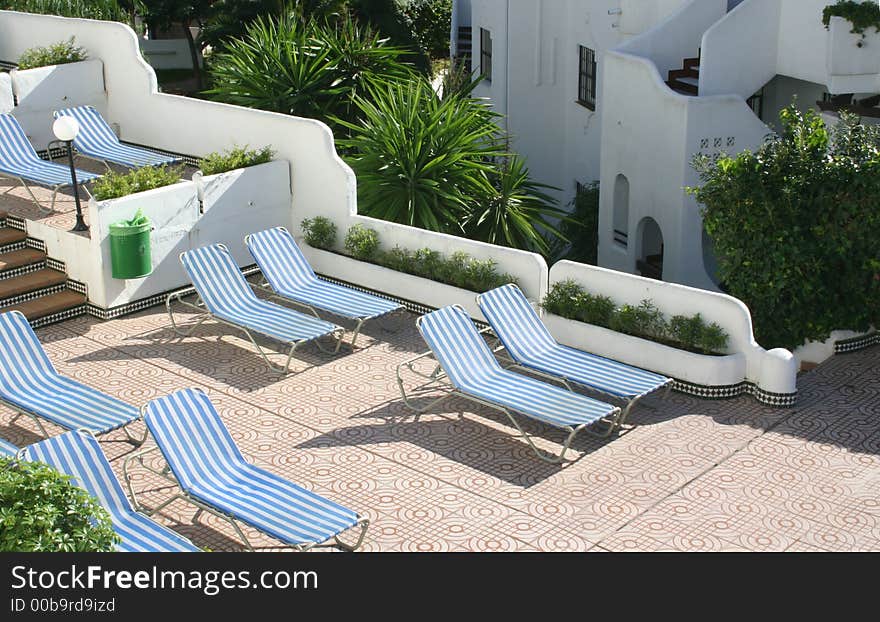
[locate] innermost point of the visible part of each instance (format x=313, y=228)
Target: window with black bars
x=486, y=54
x=587, y=77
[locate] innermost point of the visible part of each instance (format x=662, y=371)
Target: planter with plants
x=685, y=347
x=241, y=175
x=51, y=77
x=424, y=276
x=853, y=40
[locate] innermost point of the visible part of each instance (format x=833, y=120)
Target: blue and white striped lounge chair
x=78, y=455
x=98, y=141
x=289, y=274
x=30, y=385
x=228, y=297
x=7, y=448
x=473, y=372
x=531, y=346
x=20, y=161
x=215, y=477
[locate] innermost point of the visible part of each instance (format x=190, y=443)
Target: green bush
x=42, y=511
x=581, y=228
x=113, y=185
x=231, y=159
x=795, y=227
x=320, y=232
x=89, y=9
x=362, y=242
x=430, y=21
x=56, y=54
x=862, y=15
x=569, y=300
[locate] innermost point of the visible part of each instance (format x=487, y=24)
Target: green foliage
x=582, y=227
x=320, y=232
x=91, y=9
x=516, y=212
x=862, y=15
x=795, y=228
x=430, y=22
x=113, y=185
x=237, y=157
x=459, y=269
x=309, y=69
x=42, y=511
x=569, y=300
x=362, y=242
x=55, y=54
x=420, y=160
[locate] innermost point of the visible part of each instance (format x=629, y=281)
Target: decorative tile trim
x=60, y=316
x=21, y=270
x=56, y=265
x=777, y=400
x=37, y=245
x=37, y=293
x=151, y=301
x=857, y=343
x=78, y=287
x=15, y=222
x=15, y=246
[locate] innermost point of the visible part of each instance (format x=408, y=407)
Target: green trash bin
x=130, y=256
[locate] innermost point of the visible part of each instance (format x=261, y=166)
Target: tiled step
x=49, y=305
x=9, y=237
x=41, y=279
x=21, y=259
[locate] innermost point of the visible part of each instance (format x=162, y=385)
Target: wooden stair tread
x=10, y=236
x=19, y=258
x=47, y=305
x=25, y=283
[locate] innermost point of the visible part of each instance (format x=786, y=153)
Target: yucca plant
x=513, y=210
x=420, y=160
x=307, y=69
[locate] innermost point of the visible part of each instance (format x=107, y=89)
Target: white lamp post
x=65, y=129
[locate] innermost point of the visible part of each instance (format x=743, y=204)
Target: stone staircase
x=32, y=282
x=687, y=79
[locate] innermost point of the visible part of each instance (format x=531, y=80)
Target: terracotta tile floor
x=691, y=476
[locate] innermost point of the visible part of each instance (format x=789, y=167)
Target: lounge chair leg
x=198, y=515
x=406, y=399
x=14, y=418
x=126, y=474
x=137, y=442
x=177, y=330
x=357, y=332
x=364, y=524
x=543, y=455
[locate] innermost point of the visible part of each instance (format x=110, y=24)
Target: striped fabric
x=290, y=275
x=77, y=454
x=209, y=467
x=7, y=448
x=228, y=295
x=29, y=382
x=97, y=140
x=18, y=159
x=473, y=369
x=531, y=345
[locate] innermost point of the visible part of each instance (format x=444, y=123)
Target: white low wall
x=7, y=101
x=852, y=62
x=43, y=90
x=529, y=269
x=774, y=371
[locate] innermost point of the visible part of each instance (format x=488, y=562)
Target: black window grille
x=587, y=77
x=486, y=54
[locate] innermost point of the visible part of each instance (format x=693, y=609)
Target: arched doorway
x=650, y=262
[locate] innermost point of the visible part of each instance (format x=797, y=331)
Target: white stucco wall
x=7, y=101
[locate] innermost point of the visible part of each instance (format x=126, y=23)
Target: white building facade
x=671, y=79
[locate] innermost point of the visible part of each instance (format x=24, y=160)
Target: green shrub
x=581, y=228
x=429, y=21
x=41, y=510
x=569, y=300
x=231, y=159
x=113, y=185
x=362, y=242
x=862, y=15
x=56, y=54
x=795, y=228
x=320, y=232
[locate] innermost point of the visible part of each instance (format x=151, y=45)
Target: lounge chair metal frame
x=363, y=523
x=206, y=314
x=628, y=403
x=273, y=295
x=19, y=412
x=438, y=377
x=55, y=189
